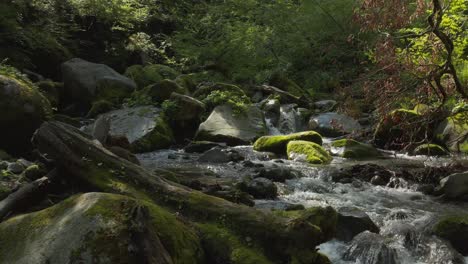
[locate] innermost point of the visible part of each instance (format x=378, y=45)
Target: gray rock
x=202, y=146
x=188, y=108
x=325, y=105
x=16, y=168
x=333, y=124
x=370, y=248
x=352, y=221
x=289, y=119
x=223, y=125
x=101, y=129
x=278, y=174
x=271, y=108
x=214, y=155
x=83, y=80
x=455, y=186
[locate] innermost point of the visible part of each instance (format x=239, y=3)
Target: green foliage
x=238, y=102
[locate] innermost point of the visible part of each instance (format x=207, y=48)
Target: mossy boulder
x=455, y=229
x=150, y=74
x=206, y=89
x=308, y=151
x=85, y=82
x=430, y=150
x=22, y=110
x=399, y=128
x=187, y=81
x=99, y=228
x=278, y=144
x=162, y=90
x=453, y=133
x=352, y=149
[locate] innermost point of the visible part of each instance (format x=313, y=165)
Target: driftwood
x=89, y=162
x=27, y=195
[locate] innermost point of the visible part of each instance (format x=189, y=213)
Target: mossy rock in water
x=205, y=90
x=352, y=149
x=430, y=150
x=278, y=144
x=399, y=128
x=99, y=228
x=160, y=137
x=454, y=229
x=100, y=107
x=308, y=151
x=150, y=74
x=22, y=110
x=51, y=90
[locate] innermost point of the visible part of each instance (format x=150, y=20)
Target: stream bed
x=405, y=216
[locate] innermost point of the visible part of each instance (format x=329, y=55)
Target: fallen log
x=27, y=195
x=281, y=239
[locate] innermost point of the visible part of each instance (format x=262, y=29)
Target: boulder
x=206, y=89
x=85, y=82
x=150, y=74
x=398, y=129
x=453, y=133
x=187, y=81
x=51, y=90
x=278, y=174
x=184, y=115
x=162, y=90
x=224, y=126
x=430, y=150
x=308, y=151
x=455, y=229
x=455, y=186
x=202, y=146
x=333, y=124
x=99, y=228
x=22, y=110
x=352, y=149
x=277, y=144
x=100, y=107
x=370, y=248
x=145, y=128
x=260, y=188
x=351, y=222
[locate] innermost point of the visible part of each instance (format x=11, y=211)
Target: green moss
x=454, y=228
x=352, y=149
x=150, y=74
x=51, y=90
x=430, y=150
x=112, y=91
x=100, y=107
x=187, y=81
x=309, y=151
x=221, y=246
x=277, y=144
x=204, y=91
x=160, y=137
x=281, y=81
x=162, y=90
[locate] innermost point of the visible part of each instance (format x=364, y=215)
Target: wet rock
x=22, y=110
x=279, y=205
x=85, y=82
x=124, y=153
x=259, y=188
x=288, y=120
x=352, y=221
x=370, y=248
x=101, y=129
x=352, y=149
x=308, y=151
x=333, y=124
x=278, y=144
x=278, y=174
x=184, y=115
x=398, y=215
x=365, y=172
x=454, y=186
x=161, y=91
x=202, y=146
x=378, y=180
x=455, y=229
x=223, y=125
x=220, y=155
x=271, y=108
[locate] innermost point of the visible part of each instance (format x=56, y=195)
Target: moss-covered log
x=280, y=239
